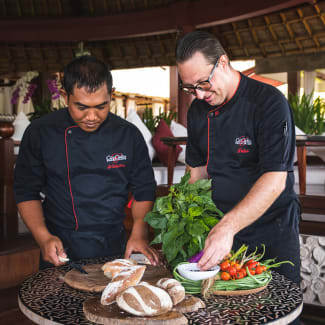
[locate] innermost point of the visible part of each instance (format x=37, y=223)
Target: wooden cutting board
x=96, y=281
x=113, y=315
x=238, y=292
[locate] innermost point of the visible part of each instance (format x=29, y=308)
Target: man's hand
x=217, y=245
x=138, y=244
x=51, y=249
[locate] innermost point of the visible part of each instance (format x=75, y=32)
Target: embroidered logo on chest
x=242, y=143
x=115, y=160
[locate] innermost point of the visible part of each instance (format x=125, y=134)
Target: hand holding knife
x=74, y=265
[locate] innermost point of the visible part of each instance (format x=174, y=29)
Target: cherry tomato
x=225, y=276
x=259, y=269
x=237, y=266
x=232, y=270
x=239, y=275
x=243, y=271
x=251, y=264
x=264, y=268
x=224, y=265
x=251, y=271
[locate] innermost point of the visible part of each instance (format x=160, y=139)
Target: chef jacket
x=85, y=176
x=249, y=135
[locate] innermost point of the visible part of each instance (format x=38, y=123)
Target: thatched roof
x=44, y=35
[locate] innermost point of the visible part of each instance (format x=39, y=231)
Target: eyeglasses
x=202, y=85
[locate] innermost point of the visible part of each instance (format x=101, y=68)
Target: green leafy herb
x=182, y=219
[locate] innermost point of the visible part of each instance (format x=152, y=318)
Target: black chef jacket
x=85, y=176
x=251, y=134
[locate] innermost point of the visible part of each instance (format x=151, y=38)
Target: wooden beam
x=202, y=13
x=310, y=61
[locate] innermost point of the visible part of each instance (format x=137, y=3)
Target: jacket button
x=69, y=131
x=211, y=114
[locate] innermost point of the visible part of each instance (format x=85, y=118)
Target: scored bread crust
x=144, y=300
x=113, y=267
x=174, y=289
x=126, y=278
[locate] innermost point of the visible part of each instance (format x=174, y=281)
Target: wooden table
x=47, y=300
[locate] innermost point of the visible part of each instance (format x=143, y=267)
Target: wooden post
x=293, y=82
x=8, y=210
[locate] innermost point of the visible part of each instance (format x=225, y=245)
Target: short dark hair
x=199, y=41
x=86, y=71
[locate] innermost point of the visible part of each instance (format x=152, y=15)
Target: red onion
x=195, y=258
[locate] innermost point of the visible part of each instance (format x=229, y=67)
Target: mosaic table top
x=46, y=299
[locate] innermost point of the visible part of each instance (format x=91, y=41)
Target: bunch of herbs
x=182, y=219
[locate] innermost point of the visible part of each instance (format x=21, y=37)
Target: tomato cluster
x=234, y=270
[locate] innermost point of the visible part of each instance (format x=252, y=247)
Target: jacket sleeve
x=29, y=176
x=142, y=180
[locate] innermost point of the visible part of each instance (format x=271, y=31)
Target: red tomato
x=251, y=271
x=243, y=271
x=239, y=275
x=264, y=267
x=259, y=269
x=237, y=266
x=225, y=276
x=252, y=264
x=232, y=270
x=224, y=265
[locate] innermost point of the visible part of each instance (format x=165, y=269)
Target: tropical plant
x=149, y=120
x=152, y=121
x=309, y=114
x=42, y=109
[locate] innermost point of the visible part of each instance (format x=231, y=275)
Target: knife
x=73, y=264
x=78, y=267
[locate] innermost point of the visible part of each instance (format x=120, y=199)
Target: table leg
x=301, y=158
x=171, y=162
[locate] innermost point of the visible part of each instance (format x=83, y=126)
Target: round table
x=46, y=299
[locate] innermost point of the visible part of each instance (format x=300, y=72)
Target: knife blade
x=78, y=267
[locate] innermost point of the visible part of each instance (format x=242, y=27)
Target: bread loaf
x=122, y=280
x=174, y=289
x=144, y=300
x=113, y=267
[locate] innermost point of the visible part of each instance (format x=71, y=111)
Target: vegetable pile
x=238, y=272
x=182, y=219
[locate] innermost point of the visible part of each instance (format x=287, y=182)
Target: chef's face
x=198, y=69
x=89, y=110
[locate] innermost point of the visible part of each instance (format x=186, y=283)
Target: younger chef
x=85, y=160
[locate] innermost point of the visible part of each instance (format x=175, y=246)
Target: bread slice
x=122, y=280
x=111, y=268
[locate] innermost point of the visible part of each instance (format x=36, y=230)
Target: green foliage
x=149, y=120
x=309, y=115
x=152, y=121
x=183, y=219
x=41, y=109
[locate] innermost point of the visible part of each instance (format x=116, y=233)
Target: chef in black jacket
x=85, y=160
x=240, y=134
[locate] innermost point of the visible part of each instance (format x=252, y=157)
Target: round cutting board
x=96, y=281
x=238, y=292
x=113, y=315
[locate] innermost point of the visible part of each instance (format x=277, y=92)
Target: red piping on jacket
x=67, y=158
x=215, y=110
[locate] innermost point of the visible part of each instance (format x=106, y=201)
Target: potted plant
x=309, y=114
